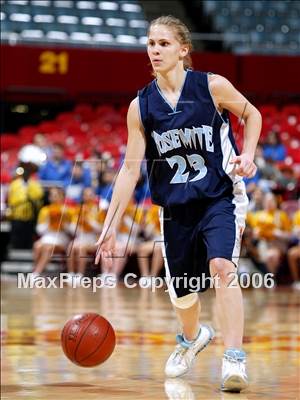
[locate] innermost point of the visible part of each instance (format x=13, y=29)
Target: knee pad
x=186, y=301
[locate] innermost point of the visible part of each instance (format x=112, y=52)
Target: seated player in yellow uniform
x=127, y=238
x=152, y=245
x=272, y=228
x=87, y=222
x=294, y=252
x=24, y=198
x=52, y=227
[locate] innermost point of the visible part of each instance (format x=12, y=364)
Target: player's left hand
x=244, y=166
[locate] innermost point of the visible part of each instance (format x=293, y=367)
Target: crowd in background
x=60, y=207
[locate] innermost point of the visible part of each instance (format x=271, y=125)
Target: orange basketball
x=88, y=339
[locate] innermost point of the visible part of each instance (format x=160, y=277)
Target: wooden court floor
x=34, y=366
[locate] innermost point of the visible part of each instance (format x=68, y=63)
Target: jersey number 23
x=195, y=161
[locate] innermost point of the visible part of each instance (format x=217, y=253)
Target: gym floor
x=34, y=366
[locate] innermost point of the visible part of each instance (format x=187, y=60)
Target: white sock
x=192, y=341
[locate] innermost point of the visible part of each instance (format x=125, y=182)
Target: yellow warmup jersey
x=132, y=215
x=57, y=216
x=24, y=199
x=152, y=218
x=296, y=219
x=84, y=217
x=267, y=221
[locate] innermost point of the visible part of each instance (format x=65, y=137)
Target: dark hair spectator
x=273, y=148
x=81, y=179
x=56, y=170
x=106, y=180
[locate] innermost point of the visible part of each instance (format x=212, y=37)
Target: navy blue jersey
x=188, y=147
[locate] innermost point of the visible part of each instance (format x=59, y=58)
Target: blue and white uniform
x=188, y=149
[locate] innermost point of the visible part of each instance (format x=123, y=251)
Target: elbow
x=257, y=115
x=253, y=114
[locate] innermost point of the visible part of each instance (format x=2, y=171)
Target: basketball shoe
x=234, y=376
x=182, y=358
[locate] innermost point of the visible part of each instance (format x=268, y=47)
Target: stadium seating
x=265, y=27
x=87, y=128
x=87, y=22
x=257, y=26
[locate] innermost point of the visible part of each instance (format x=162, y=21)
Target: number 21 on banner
x=53, y=63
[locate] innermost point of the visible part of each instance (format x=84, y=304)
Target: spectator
x=87, y=222
x=142, y=190
x=250, y=257
x=269, y=175
x=273, y=148
x=81, y=179
x=53, y=226
x=94, y=163
x=56, y=170
x=151, y=246
x=106, y=181
x=294, y=252
x=272, y=229
x=41, y=141
x=287, y=180
x=127, y=237
x=256, y=201
x=25, y=197
x=259, y=157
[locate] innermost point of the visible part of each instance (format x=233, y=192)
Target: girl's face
x=164, y=50
x=270, y=202
x=56, y=196
x=88, y=195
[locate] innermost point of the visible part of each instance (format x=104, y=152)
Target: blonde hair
x=182, y=34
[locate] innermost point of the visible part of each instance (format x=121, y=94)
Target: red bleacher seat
x=291, y=109
x=268, y=110
x=66, y=116
x=9, y=141
x=56, y=137
x=5, y=177
x=72, y=127
x=104, y=128
x=27, y=133
x=294, y=150
x=123, y=111
x=85, y=111
x=104, y=110
x=49, y=127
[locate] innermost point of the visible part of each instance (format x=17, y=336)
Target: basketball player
x=127, y=239
x=180, y=123
x=52, y=226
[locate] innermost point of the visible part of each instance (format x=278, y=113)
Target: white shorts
x=55, y=238
x=124, y=239
x=85, y=239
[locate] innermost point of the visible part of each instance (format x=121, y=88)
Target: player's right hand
x=106, y=246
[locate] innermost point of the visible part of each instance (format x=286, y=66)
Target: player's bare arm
x=226, y=96
x=125, y=183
